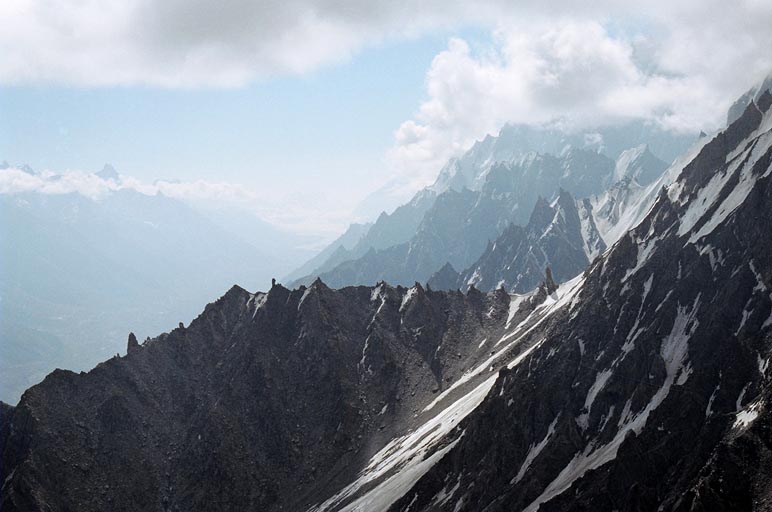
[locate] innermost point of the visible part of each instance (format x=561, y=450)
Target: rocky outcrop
x=132, y=345
x=266, y=401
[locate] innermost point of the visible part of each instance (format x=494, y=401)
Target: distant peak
x=447, y=267
x=108, y=172
x=565, y=199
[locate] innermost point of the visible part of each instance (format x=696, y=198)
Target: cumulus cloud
x=579, y=72
x=189, y=43
x=678, y=64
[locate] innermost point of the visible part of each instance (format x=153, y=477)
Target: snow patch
x=738, y=405
x=600, y=382
x=406, y=298
x=306, y=293
x=256, y=301
x=763, y=365
x=748, y=415
x=405, y=459
x=709, y=408
x=673, y=351
x=534, y=452
x=514, y=305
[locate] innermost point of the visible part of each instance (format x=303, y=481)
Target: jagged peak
x=234, y=290
x=410, y=294
x=541, y=202
x=319, y=284
x=447, y=267
x=565, y=200
x=541, y=215
x=132, y=345
x=108, y=172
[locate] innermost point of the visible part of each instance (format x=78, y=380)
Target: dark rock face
x=265, y=402
x=132, y=345
x=650, y=389
x=555, y=236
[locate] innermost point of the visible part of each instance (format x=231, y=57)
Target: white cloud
x=190, y=43
x=681, y=68
x=292, y=212
x=175, y=43
x=678, y=63
x=15, y=181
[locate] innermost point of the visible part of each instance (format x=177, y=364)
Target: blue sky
x=312, y=105
x=337, y=121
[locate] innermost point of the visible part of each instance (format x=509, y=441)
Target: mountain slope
x=556, y=236
x=387, y=231
x=78, y=273
x=512, y=144
x=652, y=378
x=515, y=141
x=266, y=401
x=460, y=224
x=333, y=254
x=639, y=164
x=641, y=384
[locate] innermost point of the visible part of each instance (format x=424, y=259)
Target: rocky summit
x=642, y=383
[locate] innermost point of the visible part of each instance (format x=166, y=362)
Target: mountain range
x=642, y=383
x=452, y=222
x=78, y=272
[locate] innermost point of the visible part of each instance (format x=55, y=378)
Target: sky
x=300, y=109
x=308, y=139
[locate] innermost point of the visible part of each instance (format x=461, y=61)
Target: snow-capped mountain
x=459, y=225
x=631, y=145
x=641, y=384
x=108, y=172
x=639, y=164
x=516, y=141
x=651, y=369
